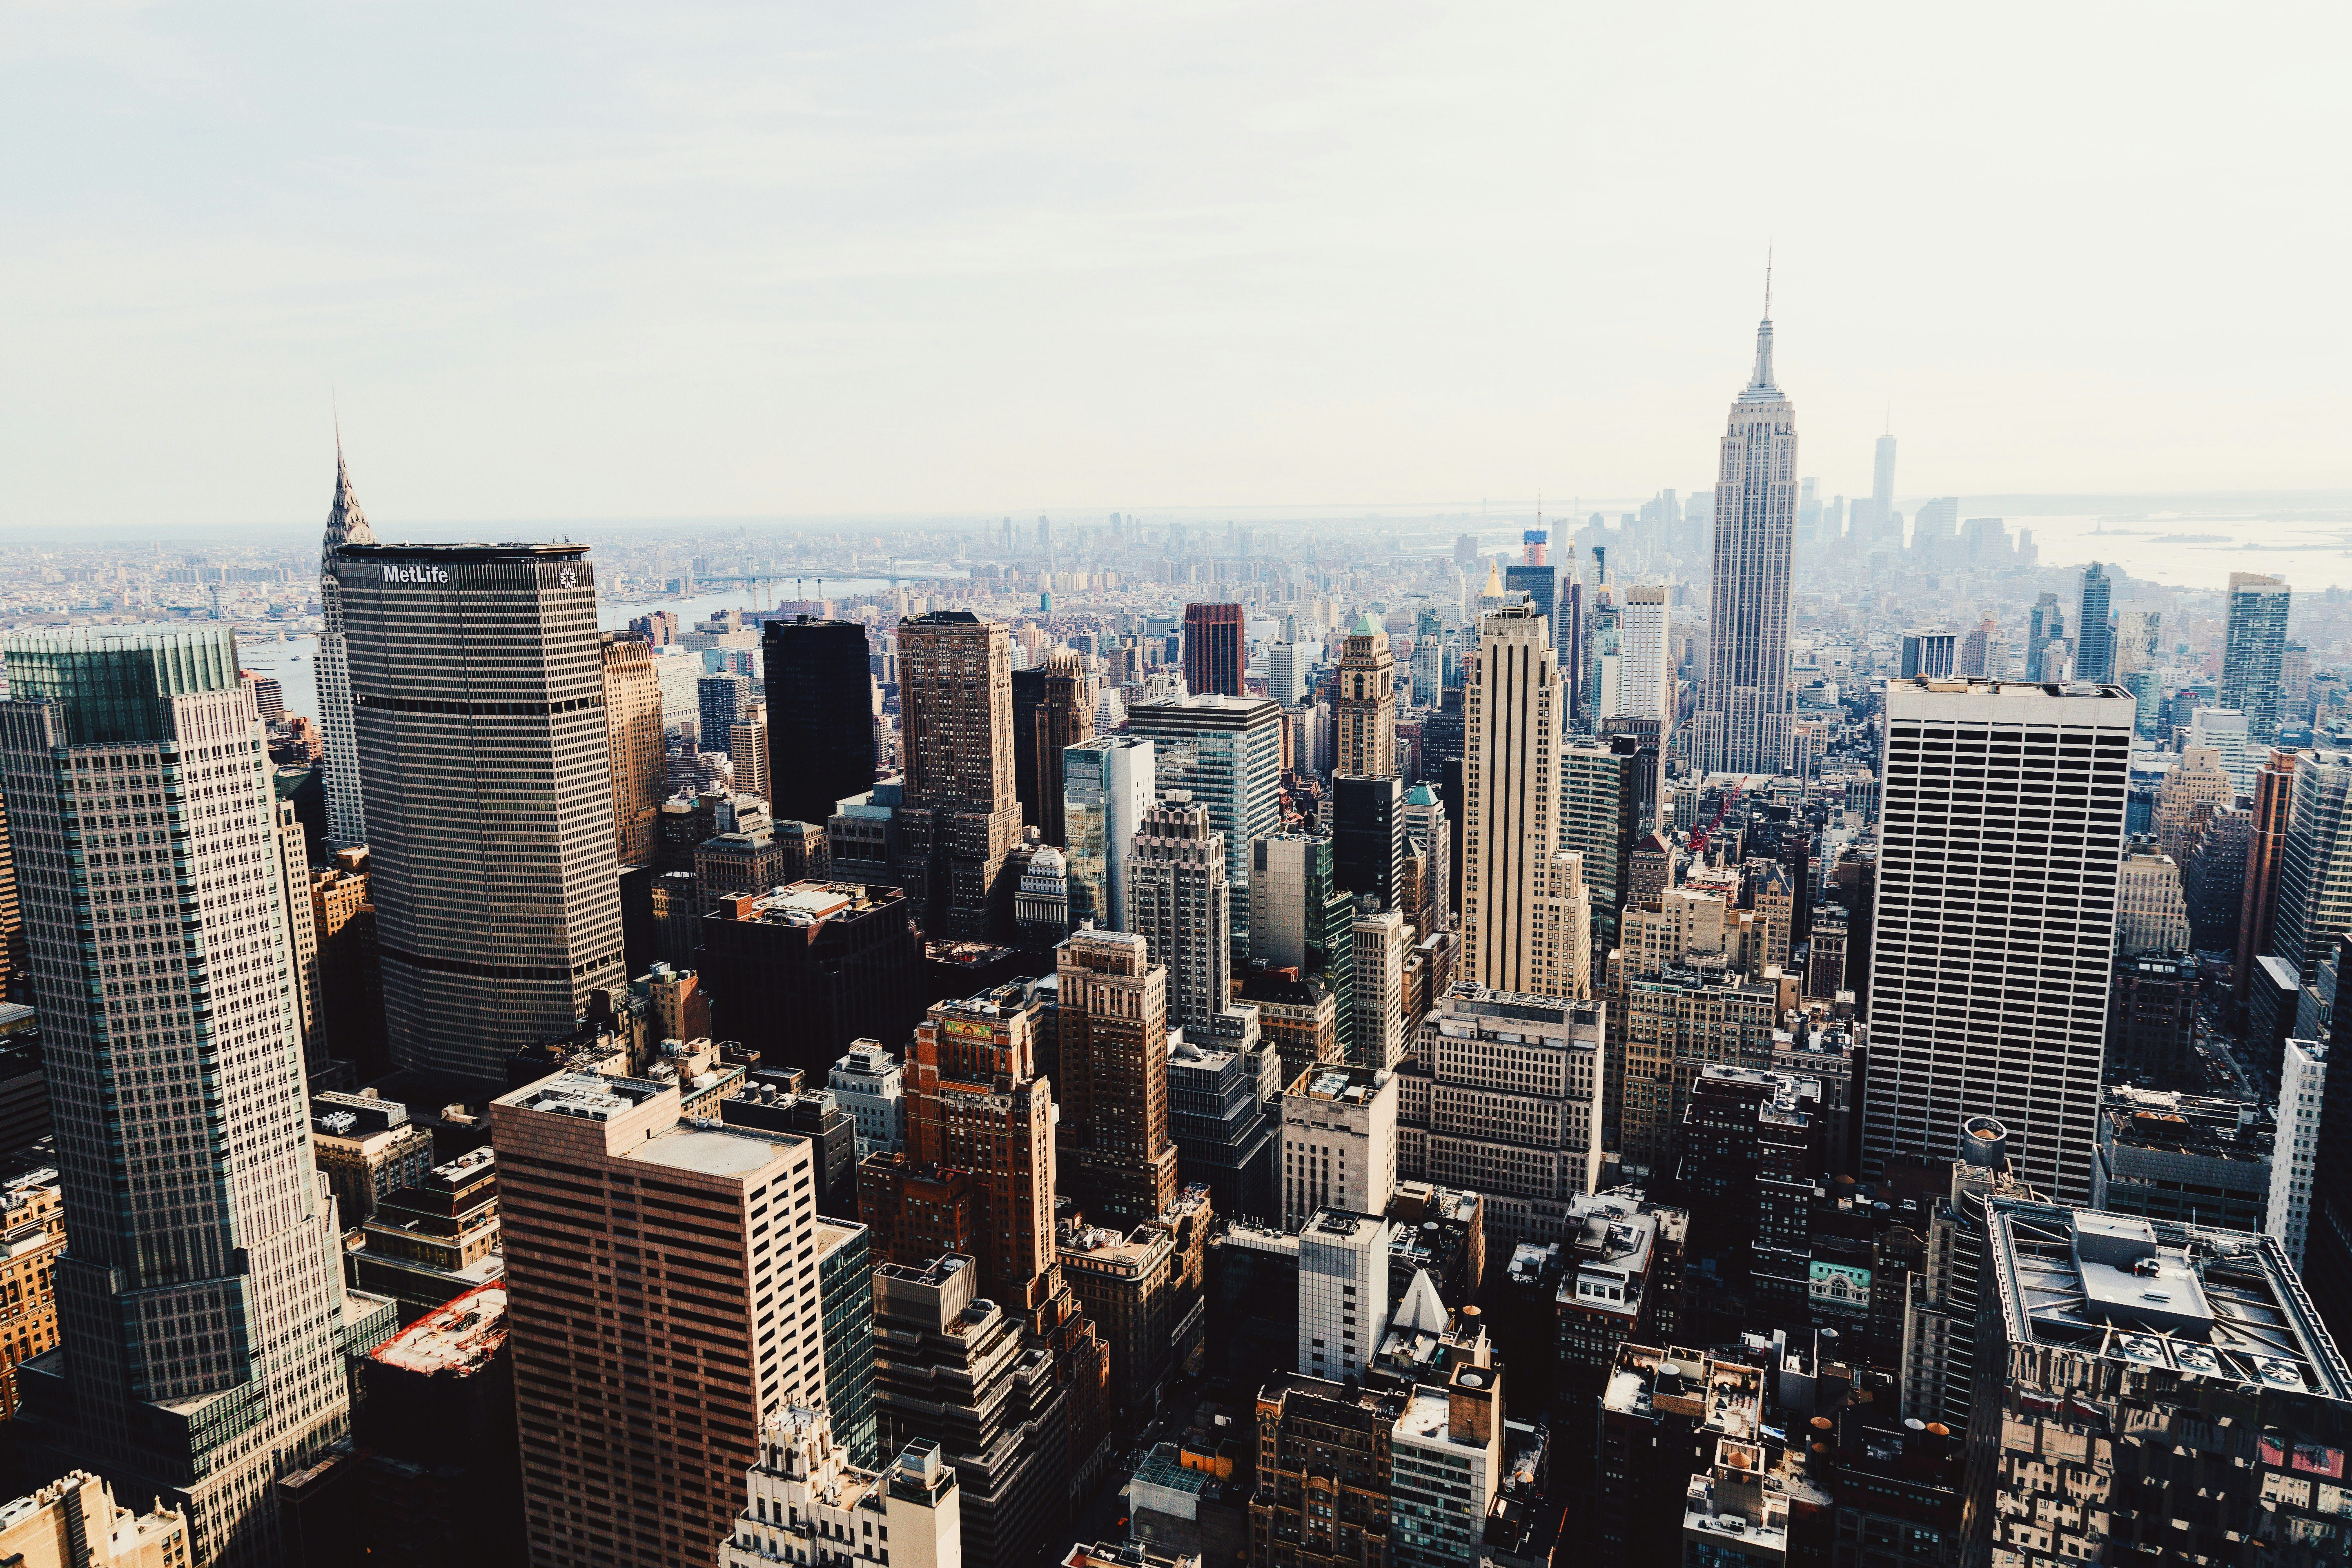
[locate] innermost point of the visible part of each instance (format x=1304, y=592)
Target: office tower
x=2045, y=631
x=1108, y=787
x=867, y=1083
x=75, y=1523
x=1502, y=1094
x=1218, y=1098
x=1117, y=1158
x=1343, y=1291
x=2273, y=815
x=1645, y=684
x=844, y=1279
x=1213, y=662
x=1292, y=877
x=1976, y=648
x=2195, y=1159
x=809, y=1498
x=346, y=809
x=1600, y=820
x=960, y=819
x=2314, y=872
x=2254, y=653
x=1339, y=1142
x=1881, y=488
x=165, y=984
x=1053, y=710
x=1939, y=1328
x=1368, y=836
x=477, y=690
x=2151, y=915
x=1934, y=655
x=1381, y=941
x=633, y=741
x=1746, y=707
x=1041, y=903
x=2295, y=1147
x=1285, y=673
x=1559, y=929
x=720, y=700
x=802, y=973
x=1229, y=754
x=1428, y=659
x=1325, y=1467
x=2195, y=791
x=1180, y=902
x=1298, y=1019
x=955, y=1380
x=1366, y=705
x=1991, y=788
x=820, y=698
x=747, y=748
x=612, y=1201
x=32, y=1228
x=433, y=1422
x=2095, y=639
x=1512, y=780
x=368, y=1149
x=2159, y=1313
x=1426, y=830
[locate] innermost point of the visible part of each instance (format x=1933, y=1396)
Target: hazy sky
x=687, y=260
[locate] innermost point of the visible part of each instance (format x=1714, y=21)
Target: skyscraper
x=1053, y=710
x=1228, y=751
x=1107, y=785
x=1746, y=707
x=2314, y=867
x=1117, y=1157
x=2095, y=639
x=961, y=818
x=2254, y=653
x=1645, y=687
x=1181, y=900
x=1881, y=492
x=477, y=690
x=346, y=524
x=706, y=1252
x=1426, y=827
x=1381, y=941
x=632, y=740
x=1511, y=776
x=820, y=696
x=1213, y=649
x=202, y=1297
x=1599, y=818
x=2274, y=813
x=720, y=698
x=1366, y=706
x=1368, y=836
x=2004, y=832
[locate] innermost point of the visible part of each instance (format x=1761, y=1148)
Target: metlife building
x=477, y=699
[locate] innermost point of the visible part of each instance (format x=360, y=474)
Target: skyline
x=750, y=265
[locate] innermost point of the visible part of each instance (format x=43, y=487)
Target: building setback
x=702, y=1240
x=478, y=692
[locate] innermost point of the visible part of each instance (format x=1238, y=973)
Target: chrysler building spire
x=346, y=523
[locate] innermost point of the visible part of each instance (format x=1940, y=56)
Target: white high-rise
x=1382, y=938
x=1746, y=709
x=2303, y=1091
x=1107, y=785
x=1645, y=684
x=346, y=524
x=1510, y=784
x=1994, y=928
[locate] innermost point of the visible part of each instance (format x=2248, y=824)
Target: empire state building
x=1747, y=709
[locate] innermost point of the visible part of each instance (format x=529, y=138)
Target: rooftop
x=2152, y=1293
x=459, y=1337
x=1340, y=1081
x=711, y=1151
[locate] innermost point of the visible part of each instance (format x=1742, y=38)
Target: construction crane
x=1699, y=840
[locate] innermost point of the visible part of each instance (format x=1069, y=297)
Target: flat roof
x=711, y=1151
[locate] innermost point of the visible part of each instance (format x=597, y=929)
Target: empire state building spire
x=1747, y=714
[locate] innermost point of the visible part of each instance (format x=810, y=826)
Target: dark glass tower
x=820, y=716
x=478, y=691
x=1213, y=649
